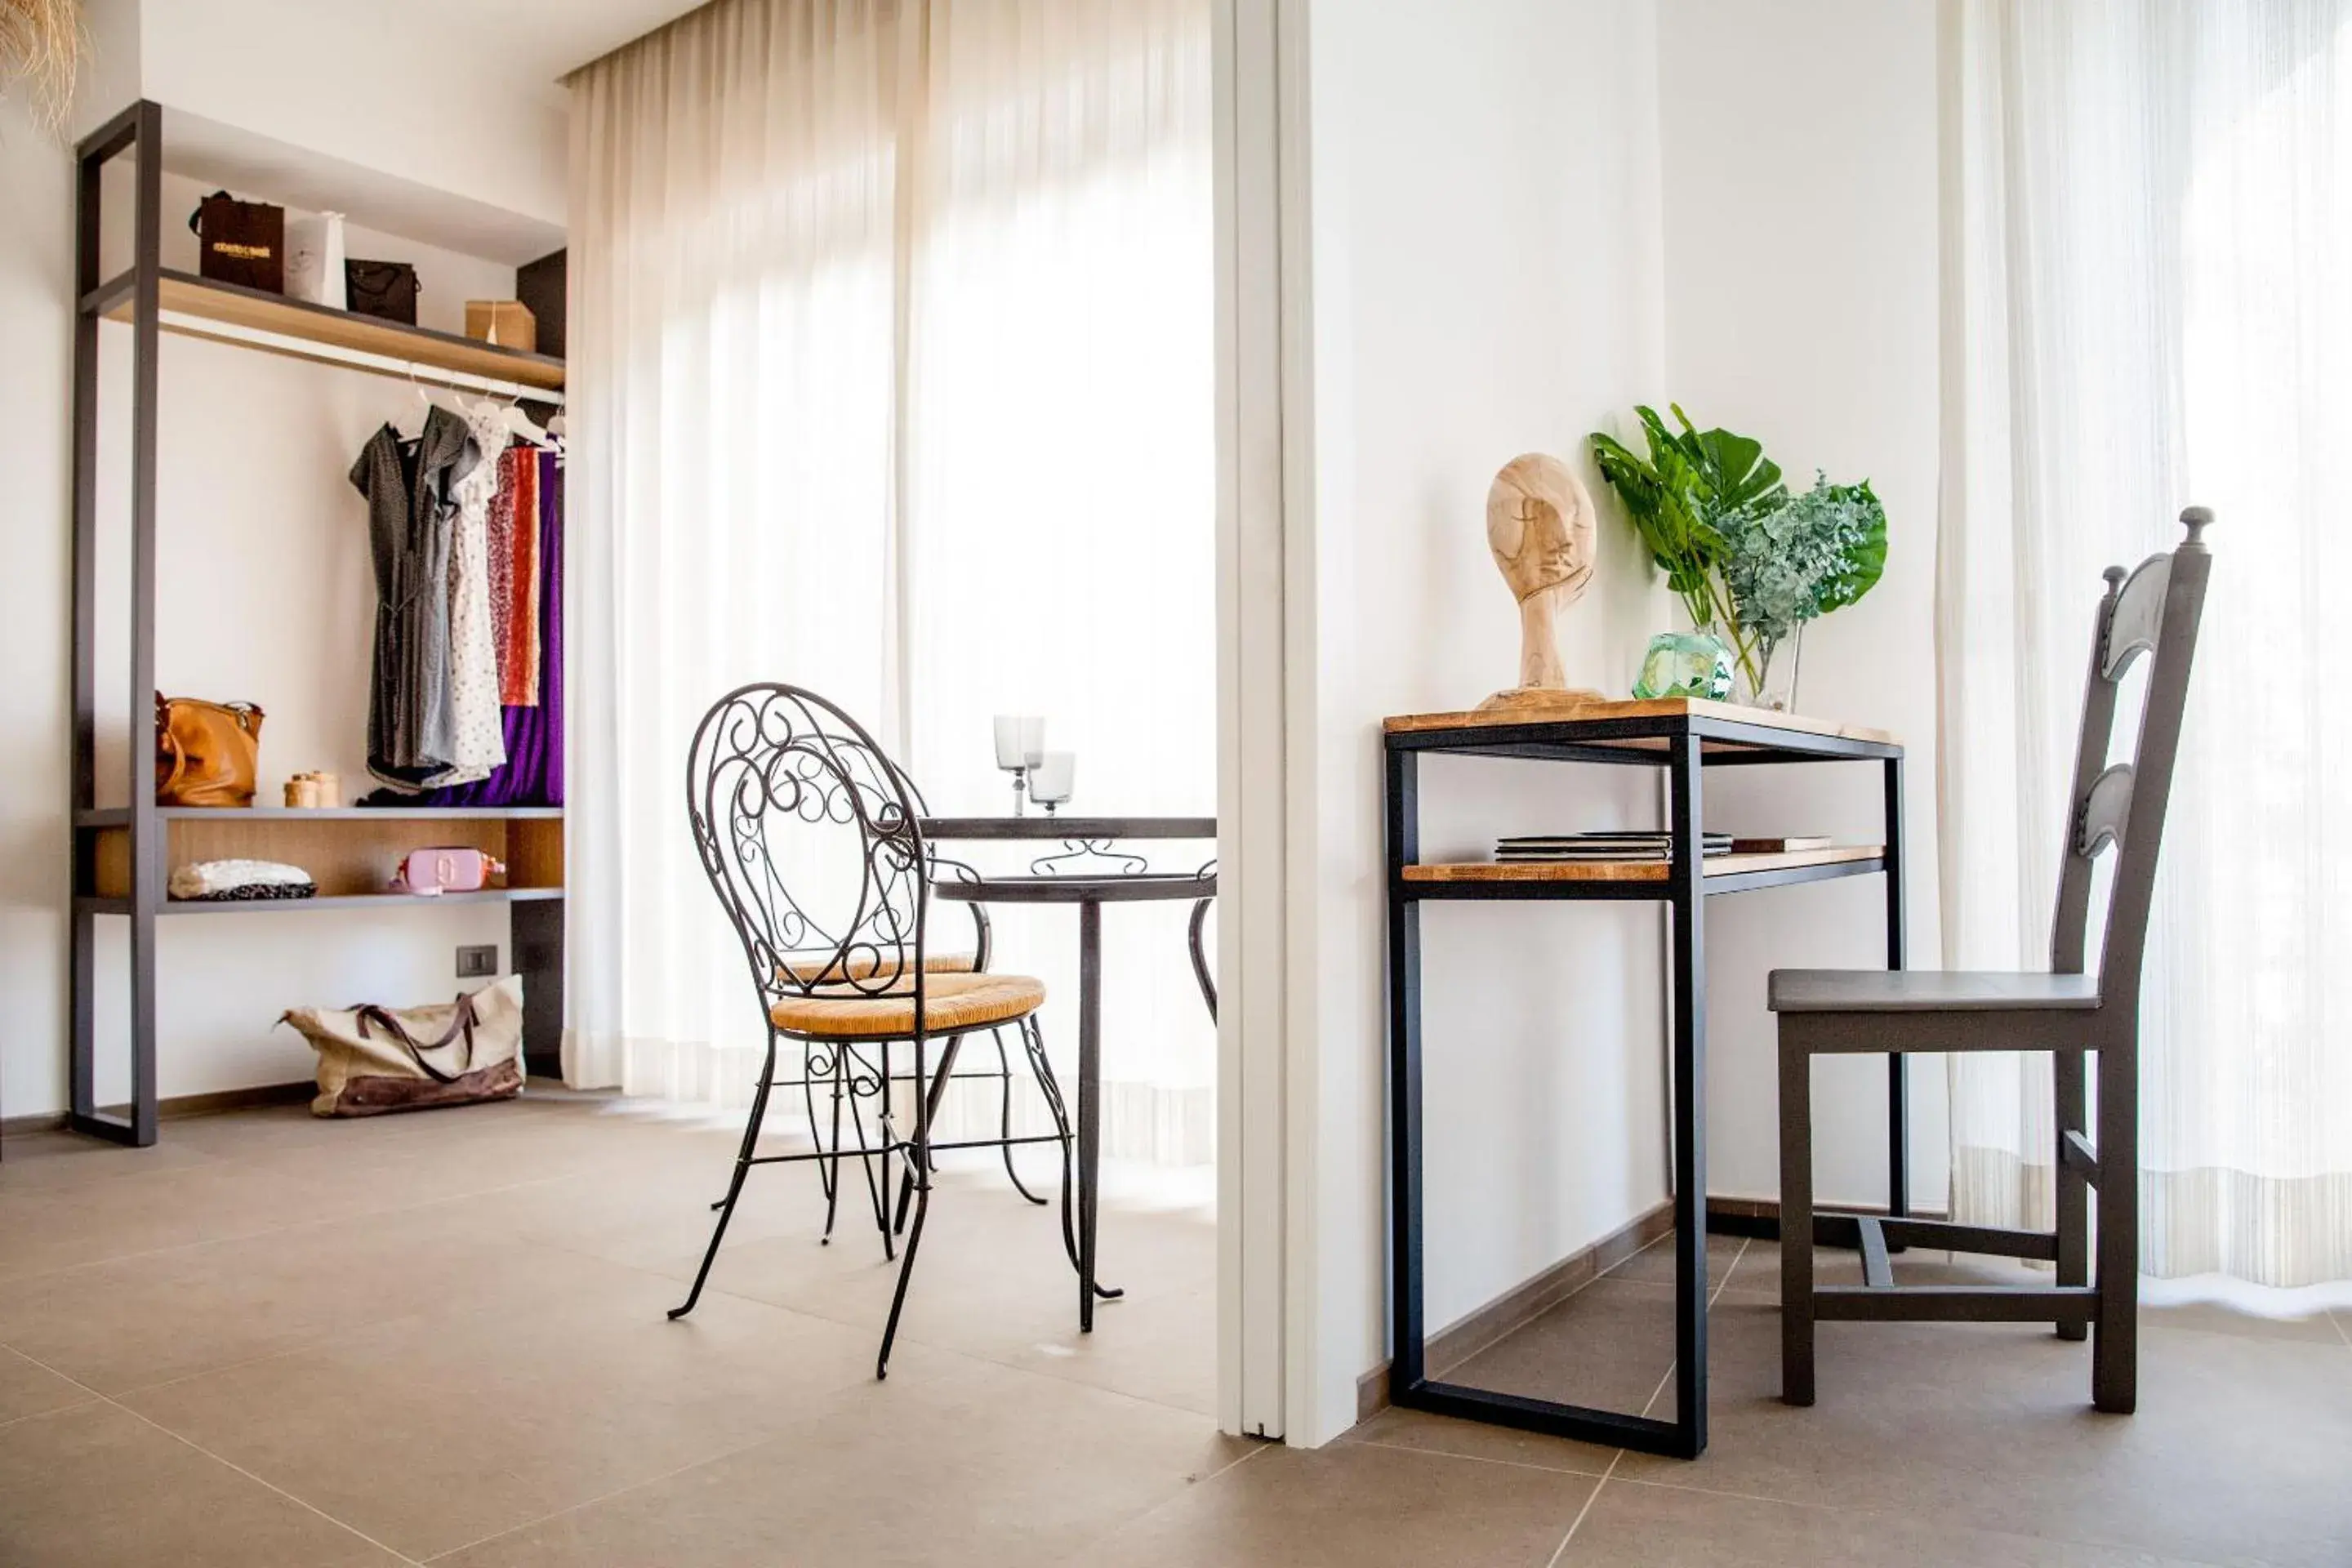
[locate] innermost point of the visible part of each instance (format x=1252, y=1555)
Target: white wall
x=411, y=91
x=1486, y=281
x=1800, y=241
x=35, y=377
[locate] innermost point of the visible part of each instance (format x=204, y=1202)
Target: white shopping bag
x=314, y=259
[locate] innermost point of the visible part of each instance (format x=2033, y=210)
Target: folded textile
x=238, y=880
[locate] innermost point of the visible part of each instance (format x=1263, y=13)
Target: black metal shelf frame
x=537, y=913
x=1685, y=745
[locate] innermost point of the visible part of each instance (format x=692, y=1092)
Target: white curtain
x=1061, y=548
x=892, y=358
x=2148, y=223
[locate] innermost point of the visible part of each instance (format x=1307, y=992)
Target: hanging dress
x=476, y=738
x=411, y=525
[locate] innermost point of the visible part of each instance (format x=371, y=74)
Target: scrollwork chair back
x=813, y=843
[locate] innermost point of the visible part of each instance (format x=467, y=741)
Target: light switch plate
x=477, y=963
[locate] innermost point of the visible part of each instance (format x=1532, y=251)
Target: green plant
x=1749, y=562
x=1685, y=501
x=1806, y=557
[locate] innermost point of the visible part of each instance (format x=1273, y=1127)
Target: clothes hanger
x=423, y=397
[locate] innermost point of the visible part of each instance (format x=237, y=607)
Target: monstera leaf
x=1683, y=495
x=1737, y=473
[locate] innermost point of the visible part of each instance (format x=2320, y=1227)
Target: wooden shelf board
x=120, y=816
x=1632, y=708
x=200, y=301
x=1635, y=870
x=364, y=812
x=352, y=901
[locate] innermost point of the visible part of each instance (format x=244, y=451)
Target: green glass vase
x=1685, y=664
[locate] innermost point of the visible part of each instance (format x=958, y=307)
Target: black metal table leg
x=1090, y=1102
x=1684, y=815
x=1898, y=1108
x=1408, y=1368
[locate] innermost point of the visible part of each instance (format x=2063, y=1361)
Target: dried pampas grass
x=41, y=44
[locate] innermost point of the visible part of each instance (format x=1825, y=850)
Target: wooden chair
x=2066, y=1013
x=812, y=838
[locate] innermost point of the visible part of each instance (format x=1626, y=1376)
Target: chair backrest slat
x=812, y=839
x=2157, y=611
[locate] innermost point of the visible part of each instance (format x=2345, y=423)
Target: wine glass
x=1020, y=747
x=1049, y=781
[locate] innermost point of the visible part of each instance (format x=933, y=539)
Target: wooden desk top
x=1633, y=708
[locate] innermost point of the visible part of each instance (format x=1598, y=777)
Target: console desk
x=1686, y=738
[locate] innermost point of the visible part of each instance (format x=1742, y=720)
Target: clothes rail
x=416, y=371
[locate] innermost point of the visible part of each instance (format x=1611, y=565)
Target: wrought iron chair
x=852, y=1074
x=2066, y=1013
x=812, y=841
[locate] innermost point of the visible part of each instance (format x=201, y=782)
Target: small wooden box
x=506, y=323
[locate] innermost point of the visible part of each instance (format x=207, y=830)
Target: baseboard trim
x=1450, y=1346
x=1467, y=1335
x=180, y=1107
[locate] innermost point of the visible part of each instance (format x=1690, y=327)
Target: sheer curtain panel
x=2148, y=230
x=894, y=355
x=1062, y=486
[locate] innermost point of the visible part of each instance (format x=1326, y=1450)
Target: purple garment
x=533, y=774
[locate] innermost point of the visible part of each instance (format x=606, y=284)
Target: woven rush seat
x=804, y=967
x=951, y=1003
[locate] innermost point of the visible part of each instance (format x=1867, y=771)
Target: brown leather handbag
x=205, y=752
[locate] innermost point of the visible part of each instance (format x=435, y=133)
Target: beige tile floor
x=441, y=1338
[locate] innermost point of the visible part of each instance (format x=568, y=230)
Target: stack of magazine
x=1611, y=845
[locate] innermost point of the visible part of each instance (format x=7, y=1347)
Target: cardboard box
x=506, y=323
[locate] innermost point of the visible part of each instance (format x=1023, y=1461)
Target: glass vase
x=1776, y=684
x=1685, y=664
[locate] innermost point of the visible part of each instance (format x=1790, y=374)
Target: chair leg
x=826, y=1170
x=1796, y=1222
x=1034, y=1035
x=919, y=1168
x=2074, y=1192
x=2115, y=1343
x=886, y=1137
x=832, y=1165
x=735, y=1182
x=1004, y=1117
x=933, y=1095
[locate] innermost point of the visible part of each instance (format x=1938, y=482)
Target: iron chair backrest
x=774, y=771
x=2155, y=611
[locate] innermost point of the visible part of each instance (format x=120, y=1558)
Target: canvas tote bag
x=373, y=1059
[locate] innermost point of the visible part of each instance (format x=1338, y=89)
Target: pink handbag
x=457, y=869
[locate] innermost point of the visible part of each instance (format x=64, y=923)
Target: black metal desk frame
x=1084, y=838
x=1685, y=744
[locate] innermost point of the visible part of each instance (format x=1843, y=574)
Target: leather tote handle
x=463, y=1023
x=193, y=225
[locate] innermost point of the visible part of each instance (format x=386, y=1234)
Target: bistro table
x=1088, y=872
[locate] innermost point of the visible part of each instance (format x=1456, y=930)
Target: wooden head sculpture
x=1539, y=527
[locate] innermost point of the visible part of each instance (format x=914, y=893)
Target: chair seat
x=950, y=1003
x=806, y=966
x=1927, y=991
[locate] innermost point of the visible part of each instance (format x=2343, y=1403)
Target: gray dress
x=411, y=523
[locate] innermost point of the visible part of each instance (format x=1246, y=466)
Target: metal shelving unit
x=119, y=854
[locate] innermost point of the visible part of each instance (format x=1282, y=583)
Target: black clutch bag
x=382, y=288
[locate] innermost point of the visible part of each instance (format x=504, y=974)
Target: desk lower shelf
x=1634, y=878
